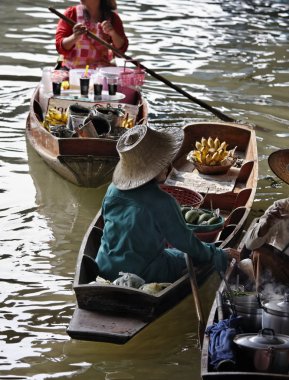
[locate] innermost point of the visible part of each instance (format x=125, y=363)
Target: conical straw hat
x=144, y=152
x=279, y=164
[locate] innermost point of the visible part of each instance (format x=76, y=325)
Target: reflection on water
x=232, y=55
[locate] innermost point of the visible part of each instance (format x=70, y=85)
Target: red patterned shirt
x=87, y=51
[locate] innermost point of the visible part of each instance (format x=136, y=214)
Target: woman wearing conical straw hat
x=271, y=265
x=140, y=218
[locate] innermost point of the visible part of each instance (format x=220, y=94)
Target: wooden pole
x=197, y=301
x=216, y=112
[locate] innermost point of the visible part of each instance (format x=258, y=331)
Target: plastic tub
x=210, y=236
x=114, y=71
x=208, y=233
x=126, y=76
x=208, y=228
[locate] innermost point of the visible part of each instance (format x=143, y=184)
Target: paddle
x=216, y=112
x=195, y=292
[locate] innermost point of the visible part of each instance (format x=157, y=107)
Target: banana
x=208, y=159
x=216, y=143
x=46, y=125
x=215, y=156
x=197, y=155
x=223, y=155
x=204, y=142
x=204, y=152
x=55, y=117
x=65, y=85
x=130, y=123
x=224, y=145
x=211, y=142
x=210, y=152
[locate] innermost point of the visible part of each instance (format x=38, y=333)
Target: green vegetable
x=204, y=217
x=185, y=209
x=192, y=216
x=213, y=220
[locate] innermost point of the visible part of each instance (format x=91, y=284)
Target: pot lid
x=265, y=339
x=277, y=306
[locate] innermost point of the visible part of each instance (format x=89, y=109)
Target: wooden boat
x=87, y=162
x=241, y=180
x=115, y=314
x=242, y=370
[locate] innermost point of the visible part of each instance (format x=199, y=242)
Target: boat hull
x=207, y=373
x=87, y=162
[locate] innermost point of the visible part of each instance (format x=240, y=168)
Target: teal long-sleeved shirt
x=139, y=223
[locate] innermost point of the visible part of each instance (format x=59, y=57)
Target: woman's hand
x=232, y=254
x=79, y=30
x=107, y=27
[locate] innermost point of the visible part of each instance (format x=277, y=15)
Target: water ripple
x=230, y=54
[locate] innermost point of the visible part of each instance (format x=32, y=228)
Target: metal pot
x=78, y=112
x=264, y=352
x=114, y=116
x=251, y=318
x=248, y=307
x=275, y=315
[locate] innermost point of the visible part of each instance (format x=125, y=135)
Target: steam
x=268, y=288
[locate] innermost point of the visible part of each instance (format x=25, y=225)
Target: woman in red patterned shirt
x=99, y=17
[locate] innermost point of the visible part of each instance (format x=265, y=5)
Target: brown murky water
x=232, y=55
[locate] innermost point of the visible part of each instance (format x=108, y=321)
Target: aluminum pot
x=264, y=352
x=251, y=317
x=248, y=307
x=77, y=111
x=275, y=315
x=114, y=116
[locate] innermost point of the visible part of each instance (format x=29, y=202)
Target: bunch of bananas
x=128, y=122
x=211, y=152
x=54, y=118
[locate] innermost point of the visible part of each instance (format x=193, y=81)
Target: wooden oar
x=216, y=112
x=198, y=305
x=219, y=302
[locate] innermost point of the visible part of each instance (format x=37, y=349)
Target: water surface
x=233, y=55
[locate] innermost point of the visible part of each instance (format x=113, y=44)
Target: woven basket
x=184, y=197
x=215, y=169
